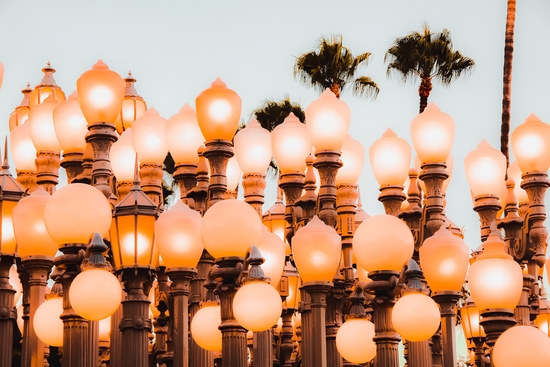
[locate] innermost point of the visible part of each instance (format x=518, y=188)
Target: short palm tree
x=428, y=55
x=333, y=66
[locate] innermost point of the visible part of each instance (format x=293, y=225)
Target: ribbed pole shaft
x=448, y=307
x=263, y=351
x=316, y=323
x=420, y=354
x=286, y=339
x=333, y=322
x=115, y=345
x=179, y=291
x=386, y=339
x=135, y=323
x=93, y=344
x=306, y=344
x=6, y=311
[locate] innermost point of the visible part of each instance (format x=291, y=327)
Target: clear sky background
x=175, y=49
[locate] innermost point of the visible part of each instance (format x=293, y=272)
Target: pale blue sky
x=175, y=49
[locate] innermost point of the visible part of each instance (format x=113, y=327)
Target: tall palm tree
x=333, y=66
x=427, y=56
x=507, y=79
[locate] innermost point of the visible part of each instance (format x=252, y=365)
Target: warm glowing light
x=149, y=137
x=233, y=173
x=122, y=152
x=432, y=134
x=426, y=321
x=253, y=148
x=204, y=327
x=470, y=320
x=22, y=148
x=390, y=158
x=354, y=340
x=15, y=282
x=353, y=157
x=522, y=346
x=485, y=170
x=291, y=145
x=184, y=136
x=531, y=145
x=105, y=329
x=273, y=251
x=47, y=324
x=95, y=294
x=42, y=126
x=515, y=174
x=257, y=306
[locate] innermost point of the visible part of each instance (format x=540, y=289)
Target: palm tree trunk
x=335, y=88
x=507, y=79
x=424, y=92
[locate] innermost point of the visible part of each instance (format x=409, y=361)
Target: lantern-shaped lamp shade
x=432, y=134
x=149, y=137
x=230, y=227
x=101, y=92
x=485, y=170
x=354, y=340
x=70, y=125
x=522, y=346
x=495, y=279
x=543, y=318
x=30, y=230
x=12, y=193
x=204, y=327
x=184, y=136
x=105, y=330
x=316, y=249
x=470, y=316
x=531, y=145
x=383, y=242
x=122, y=152
x=444, y=259
x=46, y=88
x=291, y=145
x=75, y=212
x=257, y=306
x=178, y=236
x=48, y=325
x=274, y=219
x=294, y=284
x=426, y=321
x=22, y=148
x=95, y=294
x=21, y=113
x=327, y=121
x=515, y=174
x=132, y=231
x=16, y=284
x=253, y=148
x=42, y=127
x=273, y=251
x=353, y=157
x=218, y=111
x=233, y=173
x=390, y=158
x=133, y=106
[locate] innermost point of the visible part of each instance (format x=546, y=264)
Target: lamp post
x=133, y=105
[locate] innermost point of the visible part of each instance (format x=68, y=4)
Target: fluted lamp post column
x=179, y=243
x=382, y=245
x=444, y=259
x=228, y=229
x=37, y=249
x=135, y=257
x=184, y=138
x=149, y=139
x=72, y=215
x=101, y=93
x=317, y=251
x=218, y=113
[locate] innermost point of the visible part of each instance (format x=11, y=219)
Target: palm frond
x=365, y=87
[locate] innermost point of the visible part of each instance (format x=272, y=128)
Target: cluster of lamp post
x=313, y=282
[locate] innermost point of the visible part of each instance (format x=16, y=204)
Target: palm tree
x=427, y=56
x=507, y=79
x=333, y=66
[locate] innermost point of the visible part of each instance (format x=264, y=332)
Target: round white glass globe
x=47, y=324
x=257, y=306
x=354, y=340
x=204, y=327
x=425, y=322
x=95, y=294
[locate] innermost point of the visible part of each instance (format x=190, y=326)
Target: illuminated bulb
x=522, y=346
x=204, y=327
x=95, y=294
x=257, y=306
x=47, y=324
x=426, y=322
x=354, y=340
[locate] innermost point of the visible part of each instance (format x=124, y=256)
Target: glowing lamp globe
x=178, y=236
x=383, y=242
x=273, y=250
x=257, y=306
x=151, y=297
x=390, y=158
x=22, y=148
x=316, y=249
x=105, y=330
x=542, y=321
x=485, y=170
x=218, y=111
x=432, y=134
x=233, y=173
x=149, y=137
x=426, y=321
x=47, y=87
x=353, y=157
x=204, y=327
x=15, y=282
x=531, y=145
x=184, y=136
x=95, y=294
x=42, y=127
x=122, y=152
x=230, y=227
x=133, y=105
x=327, y=121
x=291, y=145
x=47, y=323
x=253, y=148
x=101, y=93
x=70, y=125
x=495, y=279
x=522, y=346
x=471, y=318
x=354, y=340
x=515, y=174
x=21, y=113
x=444, y=259
x=32, y=237
x=76, y=211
